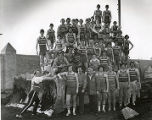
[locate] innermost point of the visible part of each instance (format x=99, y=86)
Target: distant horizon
x=22, y=20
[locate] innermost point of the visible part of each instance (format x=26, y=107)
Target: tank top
x=90, y=50
x=101, y=81
x=62, y=29
x=107, y=15
x=104, y=60
x=58, y=44
x=83, y=50
x=87, y=27
x=97, y=28
x=98, y=13
x=75, y=29
x=109, y=51
x=126, y=44
x=112, y=79
x=71, y=79
x=123, y=76
x=116, y=50
x=50, y=34
x=120, y=40
x=114, y=28
x=82, y=29
x=133, y=75
x=42, y=43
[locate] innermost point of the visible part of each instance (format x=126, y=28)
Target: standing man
x=83, y=52
x=98, y=14
x=113, y=88
x=51, y=36
x=68, y=24
x=81, y=32
x=72, y=86
x=116, y=52
x=104, y=60
x=82, y=87
x=124, y=83
x=43, y=45
x=134, y=80
x=91, y=89
x=126, y=45
x=107, y=16
x=102, y=87
x=62, y=30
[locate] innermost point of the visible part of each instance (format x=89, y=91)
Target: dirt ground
x=144, y=108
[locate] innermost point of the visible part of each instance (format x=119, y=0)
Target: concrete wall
x=12, y=64
x=26, y=63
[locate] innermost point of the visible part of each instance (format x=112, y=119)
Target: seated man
x=60, y=63
x=94, y=63
x=104, y=61
x=71, y=39
x=114, y=29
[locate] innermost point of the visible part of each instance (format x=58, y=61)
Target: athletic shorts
x=71, y=90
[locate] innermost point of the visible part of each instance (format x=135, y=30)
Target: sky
x=21, y=20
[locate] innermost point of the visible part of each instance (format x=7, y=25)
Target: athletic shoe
x=74, y=114
x=19, y=116
x=68, y=114
x=114, y=109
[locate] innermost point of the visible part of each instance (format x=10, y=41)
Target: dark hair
x=42, y=31
x=107, y=6
x=126, y=36
x=68, y=19
x=115, y=22
x=81, y=20
x=98, y=6
x=51, y=24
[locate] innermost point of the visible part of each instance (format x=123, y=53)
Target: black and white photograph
x=76, y=59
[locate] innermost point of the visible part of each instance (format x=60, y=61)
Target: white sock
x=99, y=108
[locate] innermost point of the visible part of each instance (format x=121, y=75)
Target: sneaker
x=74, y=114
x=109, y=109
x=103, y=110
x=68, y=114
x=114, y=109
x=19, y=116
x=33, y=114
x=133, y=103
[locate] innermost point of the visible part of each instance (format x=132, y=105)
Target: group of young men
x=93, y=58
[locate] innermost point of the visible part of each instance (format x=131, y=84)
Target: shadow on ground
x=144, y=108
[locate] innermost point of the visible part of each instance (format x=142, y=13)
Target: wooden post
x=119, y=12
